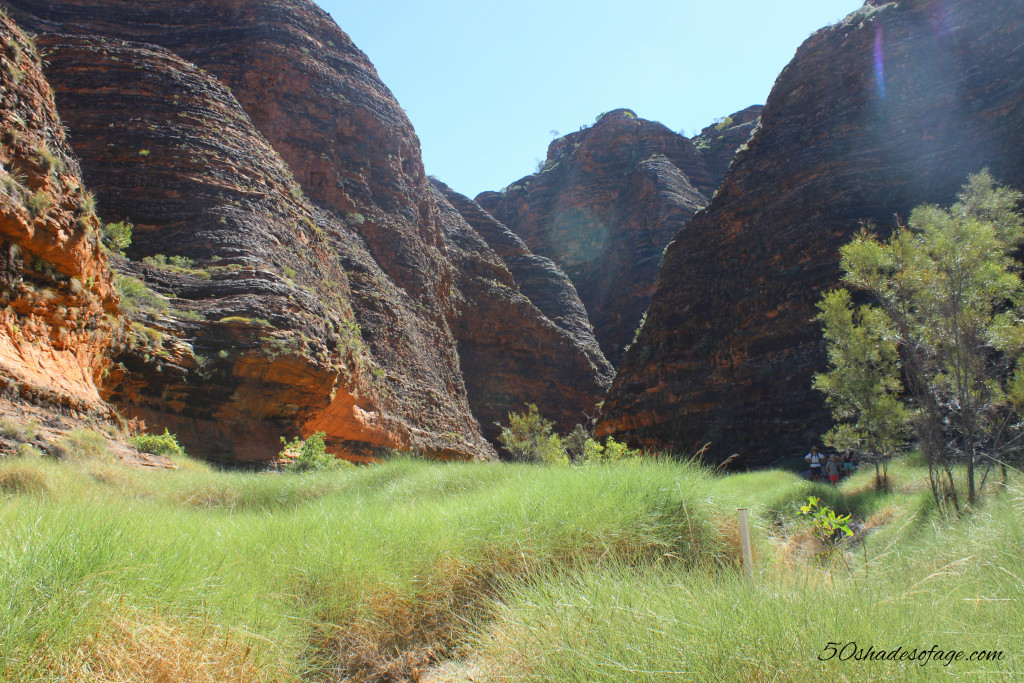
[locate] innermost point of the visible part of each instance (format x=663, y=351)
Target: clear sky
x=486, y=83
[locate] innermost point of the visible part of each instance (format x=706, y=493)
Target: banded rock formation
x=522, y=331
x=719, y=142
x=607, y=201
x=258, y=329
x=290, y=271
x=892, y=107
x=328, y=318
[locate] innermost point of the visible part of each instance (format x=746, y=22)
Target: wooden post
x=748, y=557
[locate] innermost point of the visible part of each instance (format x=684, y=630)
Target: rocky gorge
x=293, y=269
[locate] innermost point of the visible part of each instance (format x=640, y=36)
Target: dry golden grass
x=23, y=480
x=212, y=497
x=881, y=518
x=154, y=651
x=400, y=636
x=798, y=549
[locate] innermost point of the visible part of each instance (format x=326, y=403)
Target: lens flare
x=879, y=61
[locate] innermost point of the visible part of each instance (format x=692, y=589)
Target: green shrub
x=576, y=443
x=308, y=455
x=165, y=444
x=117, y=236
x=616, y=450
x=169, y=262
x=582, y=448
x=530, y=438
x=721, y=125
x=136, y=296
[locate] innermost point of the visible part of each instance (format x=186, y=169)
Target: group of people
x=834, y=465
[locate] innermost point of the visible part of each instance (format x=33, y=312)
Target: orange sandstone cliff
x=58, y=302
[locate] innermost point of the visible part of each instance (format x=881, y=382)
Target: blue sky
x=485, y=84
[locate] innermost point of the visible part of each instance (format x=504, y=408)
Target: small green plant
x=87, y=204
x=39, y=203
x=307, y=455
x=165, y=444
x=48, y=160
x=117, y=236
x=143, y=152
x=18, y=431
x=828, y=526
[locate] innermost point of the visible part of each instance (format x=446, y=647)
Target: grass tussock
x=23, y=480
x=135, y=650
x=19, y=431
x=83, y=445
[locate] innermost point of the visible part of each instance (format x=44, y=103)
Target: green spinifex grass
x=957, y=586
x=367, y=571
x=618, y=572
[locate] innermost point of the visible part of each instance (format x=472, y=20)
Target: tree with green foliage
x=947, y=296
x=863, y=386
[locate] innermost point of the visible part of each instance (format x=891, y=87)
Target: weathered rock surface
x=290, y=317
x=243, y=352
x=522, y=331
x=719, y=142
x=892, y=107
x=56, y=294
x=608, y=200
